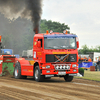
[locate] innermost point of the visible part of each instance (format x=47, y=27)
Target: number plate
x=62, y=73
x=49, y=75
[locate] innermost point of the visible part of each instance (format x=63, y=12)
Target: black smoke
x=29, y=9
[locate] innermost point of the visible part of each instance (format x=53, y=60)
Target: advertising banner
x=85, y=64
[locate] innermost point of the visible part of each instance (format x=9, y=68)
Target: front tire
x=68, y=78
x=37, y=74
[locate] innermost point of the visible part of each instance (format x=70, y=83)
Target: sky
x=82, y=16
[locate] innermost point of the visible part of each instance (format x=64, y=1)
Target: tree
x=85, y=49
x=52, y=25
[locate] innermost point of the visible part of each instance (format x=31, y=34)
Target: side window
x=41, y=41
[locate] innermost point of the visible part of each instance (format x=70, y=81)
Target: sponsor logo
x=39, y=53
x=8, y=60
x=30, y=70
x=61, y=58
x=61, y=52
x=35, y=43
x=85, y=65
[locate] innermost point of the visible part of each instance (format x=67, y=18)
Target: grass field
x=91, y=75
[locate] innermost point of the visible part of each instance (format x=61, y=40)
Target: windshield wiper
x=64, y=47
x=67, y=47
x=71, y=47
x=53, y=47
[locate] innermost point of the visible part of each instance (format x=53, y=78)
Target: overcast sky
x=82, y=16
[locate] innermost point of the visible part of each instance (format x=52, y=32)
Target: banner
x=85, y=64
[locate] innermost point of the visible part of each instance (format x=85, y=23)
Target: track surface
x=53, y=89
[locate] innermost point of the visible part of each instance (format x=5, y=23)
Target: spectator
x=89, y=59
x=98, y=63
x=85, y=58
x=80, y=60
x=95, y=64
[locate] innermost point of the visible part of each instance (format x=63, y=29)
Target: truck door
x=39, y=49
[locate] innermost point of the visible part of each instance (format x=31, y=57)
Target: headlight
x=47, y=66
x=72, y=57
x=74, y=70
x=57, y=67
x=61, y=66
x=67, y=67
x=74, y=65
x=64, y=66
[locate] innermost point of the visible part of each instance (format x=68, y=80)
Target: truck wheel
x=17, y=71
x=37, y=74
x=68, y=78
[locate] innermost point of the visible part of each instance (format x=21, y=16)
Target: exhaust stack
x=36, y=29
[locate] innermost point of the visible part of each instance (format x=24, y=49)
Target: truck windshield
x=60, y=43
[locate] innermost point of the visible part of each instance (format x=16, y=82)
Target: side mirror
x=77, y=44
x=39, y=44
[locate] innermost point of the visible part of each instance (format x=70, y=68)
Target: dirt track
x=53, y=89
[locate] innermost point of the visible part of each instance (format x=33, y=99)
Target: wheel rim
x=16, y=71
x=36, y=73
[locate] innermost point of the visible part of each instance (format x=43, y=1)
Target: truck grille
x=61, y=58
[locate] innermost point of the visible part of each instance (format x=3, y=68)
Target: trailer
x=7, y=60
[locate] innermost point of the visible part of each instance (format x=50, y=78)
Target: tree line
x=85, y=49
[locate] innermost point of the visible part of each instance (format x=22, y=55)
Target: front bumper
x=56, y=72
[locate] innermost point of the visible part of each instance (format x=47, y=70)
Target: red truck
x=54, y=54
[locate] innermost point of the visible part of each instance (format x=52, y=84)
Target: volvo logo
x=61, y=58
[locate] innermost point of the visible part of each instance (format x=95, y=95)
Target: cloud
x=82, y=16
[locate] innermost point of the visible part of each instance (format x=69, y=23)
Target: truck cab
x=56, y=54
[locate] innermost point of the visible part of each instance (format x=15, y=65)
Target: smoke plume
x=29, y=9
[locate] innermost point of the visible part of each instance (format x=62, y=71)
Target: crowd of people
x=96, y=63
x=85, y=59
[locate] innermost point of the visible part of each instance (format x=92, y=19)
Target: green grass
x=91, y=75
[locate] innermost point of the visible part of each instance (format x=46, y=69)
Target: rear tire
x=17, y=72
x=68, y=78
x=37, y=74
